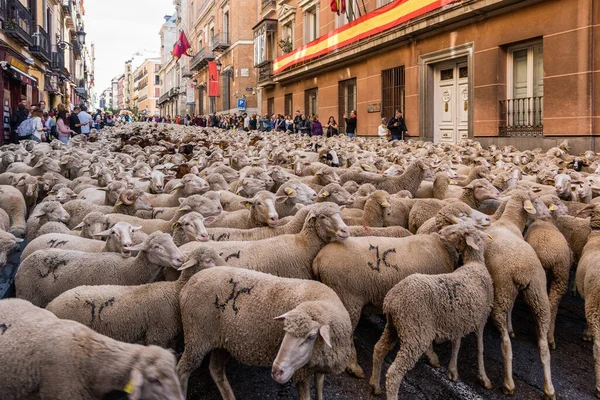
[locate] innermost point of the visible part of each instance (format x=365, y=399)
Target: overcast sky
x=118, y=29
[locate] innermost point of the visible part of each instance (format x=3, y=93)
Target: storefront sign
x=17, y=63
x=372, y=108
x=380, y=20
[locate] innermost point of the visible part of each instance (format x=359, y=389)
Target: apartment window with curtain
x=288, y=33
x=311, y=102
x=311, y=24
x=522, y=113
x=353, y=11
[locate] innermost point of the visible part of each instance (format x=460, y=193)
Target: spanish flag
x=181, y=46
x=338, y=6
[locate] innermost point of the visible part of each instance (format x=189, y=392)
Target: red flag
x=213, y=79
x=181, y=47
x=335, y=6
x=342, y=6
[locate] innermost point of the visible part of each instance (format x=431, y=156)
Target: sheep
x=562, y=184
x=93, y=223
x=130, y=201
x=424, y=308
x=47, y=273
x=476, y=192
x=261, y=211
x=322, y=177
x=43, y=166
x=336, y=194
x=205, y=204
x=521, y=272
x=454, y=213
x=13, y=203
x=190, y=184
x=350, y=186
x=587, y=286
x=8, y=244
x=4, y=220
x=248, y=187
x=388, y=231
x=377, y=208
x=288, y=255
x=409, y=180
x=46, y=212
x=217, y=182
x=118, y=238
x=90, y=366
x=290, y=194
x=62, y=195
x=190, y=227
x=146, y=314
x=422, y=210
x=553, y=251
x=28, y=186
x=377, y=264
x=314, y=339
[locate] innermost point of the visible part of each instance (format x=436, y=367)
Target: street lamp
x=80, y=36
x=73, y=46
x=219, y=65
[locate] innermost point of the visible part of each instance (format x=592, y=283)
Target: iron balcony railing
x=18, y=22
x=265, y=71
x=221, y=41
x=57, y=62
x=522, y=117
x=41, y=46
x=201, y=59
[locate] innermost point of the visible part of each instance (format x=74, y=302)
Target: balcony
x=221, y=42
x=163, y=99
x=41, y=46
x=201, y=59
x=18, y=24
x=265, y=74
x=268, y=3
x=522, y=117
x=57, y=62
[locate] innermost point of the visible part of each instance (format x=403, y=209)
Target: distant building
x=147, y=87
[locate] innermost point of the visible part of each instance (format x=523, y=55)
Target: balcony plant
x=285, y=45
x=11, y=24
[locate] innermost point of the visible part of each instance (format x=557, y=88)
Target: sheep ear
x=281, y=317
x=281, y=199
x=324, y=194
x=176, y=225
x=455, y=219
x=469, y=186
x=189, y=263
x=103, y=233
x=39, y=164
x=185, y=208
x=209, y=220
x=247, y=203
x=135, y=385
x=102, y=189
x=325, y=332
x=471, y=242
x=136, y=228
x=138, y=247
x=528, y=206
x=79, y=227
x=181, y=200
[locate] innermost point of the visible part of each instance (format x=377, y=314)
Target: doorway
x=451, y=102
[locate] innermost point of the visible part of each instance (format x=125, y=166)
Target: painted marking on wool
x=233, y=255
x=220, y=238
x=381, y=258
x=52, y=264
x=232, y=298
x=4, y=328
x=107, y=303
x=55, y=243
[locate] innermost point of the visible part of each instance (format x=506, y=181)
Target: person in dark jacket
x=397, y=126
x=18, y=116
x=304, y=126
x=297, y=121
x=316, y=128
x=351, y=124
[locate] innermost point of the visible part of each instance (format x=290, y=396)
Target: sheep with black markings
x=422, y=309
x=93, y=223
x=147, y=314
x=314, y=337
x=50, y=211
x=47, y=273
x=90, y=366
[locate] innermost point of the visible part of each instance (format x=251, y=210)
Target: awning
x=22, y=76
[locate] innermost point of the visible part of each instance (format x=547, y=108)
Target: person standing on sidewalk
x=351, y=124
x=85, y=121
x=19, y=115
x=74, y=122
x=397, y=126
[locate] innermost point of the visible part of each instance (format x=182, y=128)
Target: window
x=311, y=24
x=156, y=92
x=156, y=79
x=260, y=46
x=201, y=91
x=522, y=112
x=311, y=102
x=289, y=104
x=287, y=33
x=226, y=26
x=392, y=93
x=353, y=11
x=347, y=100
x=270, y=106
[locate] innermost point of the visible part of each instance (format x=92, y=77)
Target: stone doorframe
x=427, y=86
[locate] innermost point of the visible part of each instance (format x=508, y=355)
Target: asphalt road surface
x=572, y=363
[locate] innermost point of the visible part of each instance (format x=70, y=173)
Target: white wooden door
x=451, y=103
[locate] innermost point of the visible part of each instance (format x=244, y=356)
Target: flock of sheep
x=268, y=248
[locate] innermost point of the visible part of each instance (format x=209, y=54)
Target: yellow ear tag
x=552, y=207
x=528, y=207
x=324, y=195
x=490, y=236
x=238, y=193
x=176, y=225
x=452, y=182
x=247, y=205
x=129, y=387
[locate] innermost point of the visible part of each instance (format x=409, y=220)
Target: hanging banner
x=213, y=79
x=189, y=95
x=370, y=24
